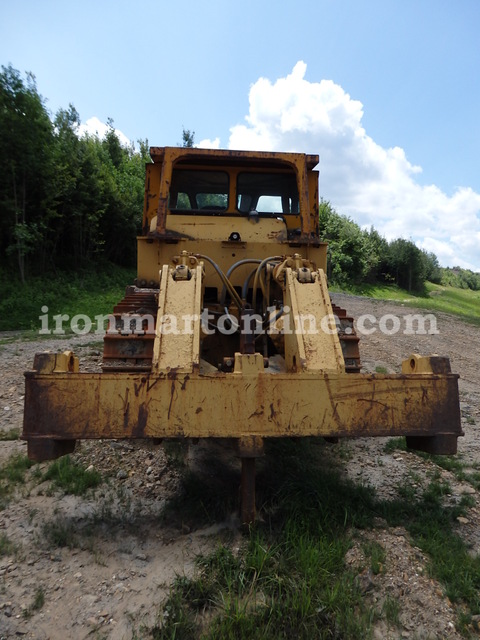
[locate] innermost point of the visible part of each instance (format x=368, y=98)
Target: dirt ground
x=110, y=586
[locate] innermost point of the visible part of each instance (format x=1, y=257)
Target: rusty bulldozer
x=229, y=330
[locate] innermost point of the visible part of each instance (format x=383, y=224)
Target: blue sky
x=386, y=92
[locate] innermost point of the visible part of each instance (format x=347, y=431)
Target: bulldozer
x=229, y=330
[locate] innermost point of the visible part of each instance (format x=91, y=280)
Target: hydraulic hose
x=235, y=297
x=257, y=276
x=232, y=269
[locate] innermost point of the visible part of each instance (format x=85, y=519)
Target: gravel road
x=122, y=557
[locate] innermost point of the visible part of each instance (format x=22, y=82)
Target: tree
x=65, y=201
x=349, y=258
x=113, y=145
x=188, y=138
x=433, y=271
x=376, y=251
x=122, y=220
x=406, y=264
x=26, y=137
x=356, y=255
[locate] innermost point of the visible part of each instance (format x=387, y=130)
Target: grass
x=289, y=578
x=96, y=292
x=391, y=610
x=462, y=471
x=11, y=434
x=268, y=592
x=114, y=513
x=11, y=474
x=13, y=471
x=63, y=473
x=430, y=523
x=60, y=532
x=71, y=477
x=37, y=603
x=7, y=547
x=377, y=555
x=464, y=303
x=91, y=293
x=399, y=443
x=176, y=452
x=381, y=369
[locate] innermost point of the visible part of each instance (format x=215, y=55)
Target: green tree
x=406, y=264
x=112, y=145
x=68, y=173
x=65, y=201
x=188, y=138
x=461, y=278
x=124, y=182
x=376, y=251
x=356, y=255
x=433, y=271
x=26, y=138
x=349, y=258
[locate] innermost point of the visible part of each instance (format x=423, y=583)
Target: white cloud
x=95, y=127
x=208, y=144
x=373, y=185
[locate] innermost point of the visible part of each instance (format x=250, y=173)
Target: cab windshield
x=199, y=190
x=268, y=193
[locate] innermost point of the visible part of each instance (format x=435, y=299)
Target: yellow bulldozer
x=229, y=330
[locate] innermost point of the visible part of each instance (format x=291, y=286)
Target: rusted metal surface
x=440, y=444
x=159, y=179
x=433, y=364
x=203, y=382
x=348, y=340
x=177, y=348
x=233, y=405
x=312, y=347
x=128, y=341
x=40, y=449
x=56, y=362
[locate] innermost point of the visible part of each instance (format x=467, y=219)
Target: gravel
x=121, y=556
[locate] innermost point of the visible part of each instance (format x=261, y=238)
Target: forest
x=71, y=203
x=66, y=202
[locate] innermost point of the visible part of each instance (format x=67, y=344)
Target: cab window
x=198, y=191
x=267, y=193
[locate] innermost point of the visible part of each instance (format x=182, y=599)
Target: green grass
x=11, y=434
x=91, y=293
x=391, y=610
x=71, y=477
x=7, y=547
x=377, y=555
x=12, y=473
x=464, y=303
x=60, y=532
x=288, y=579
x=381, y=370
x=431, y=525
x=37, y=603
x=393, y=444
x=462, y=471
